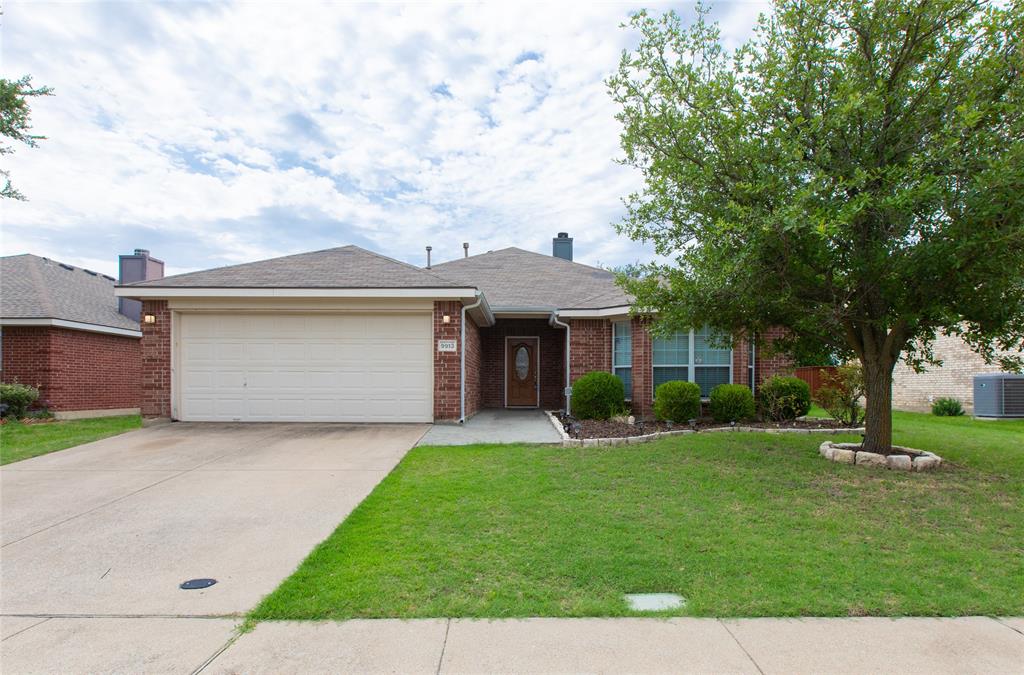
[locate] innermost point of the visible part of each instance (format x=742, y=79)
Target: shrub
x=947, y=407
x=731, y=403
x=677, y=401
x=783, y=399
x=840, y=393
x=18, y=398
x=598, y=396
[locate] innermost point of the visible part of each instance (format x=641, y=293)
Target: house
x=63, y=330
x=346, y=334
x=953, y=379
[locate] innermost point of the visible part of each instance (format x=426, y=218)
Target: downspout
x=555, y=322
x=462, y=358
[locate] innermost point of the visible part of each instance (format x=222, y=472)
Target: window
x=691, y=356
x=712, y=365
x=671, y=358
x=622, y=355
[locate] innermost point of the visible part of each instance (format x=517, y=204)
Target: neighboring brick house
x=953, y=379
x=350, y=335
x=62, y=332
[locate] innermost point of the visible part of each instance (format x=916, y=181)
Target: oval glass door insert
x=522, y=362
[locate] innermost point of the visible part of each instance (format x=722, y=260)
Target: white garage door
x=308, y=367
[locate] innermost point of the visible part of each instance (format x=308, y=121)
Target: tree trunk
x=878, y=417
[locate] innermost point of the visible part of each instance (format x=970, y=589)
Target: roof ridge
x=251, y=262
x=523, y=250
x=425, y=270
x=45, y=297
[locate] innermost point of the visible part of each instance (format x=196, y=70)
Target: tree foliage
x=854, y=173
x=15, y=122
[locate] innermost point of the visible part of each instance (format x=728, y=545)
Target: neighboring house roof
x=32, y=287
x=514, y=278
x=342, y=267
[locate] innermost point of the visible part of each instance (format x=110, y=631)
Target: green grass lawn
x=739, y=524
x=20, y=441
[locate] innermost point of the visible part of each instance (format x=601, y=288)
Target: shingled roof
x=342, y=267
x=514, y=278
x=32, y=287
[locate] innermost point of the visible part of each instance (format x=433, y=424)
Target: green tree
x=854, y=174
x=15, y=122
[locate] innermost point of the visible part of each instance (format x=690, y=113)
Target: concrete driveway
x=96, y=538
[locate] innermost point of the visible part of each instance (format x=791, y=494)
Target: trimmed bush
x=17, y=398
x=731, y=403
x=677, y=401
x=840, y=394
x=783, y=399
x=947, y=407
x=598, y=396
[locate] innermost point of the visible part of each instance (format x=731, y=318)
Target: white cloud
x=215, y=134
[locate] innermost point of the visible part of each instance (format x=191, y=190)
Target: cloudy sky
x=214, y=134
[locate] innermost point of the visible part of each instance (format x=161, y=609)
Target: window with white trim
x=622, y=354
x=691, y=356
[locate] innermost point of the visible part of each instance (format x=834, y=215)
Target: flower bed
x=612, y=432
x=898, y=458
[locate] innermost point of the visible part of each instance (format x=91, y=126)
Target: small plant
x=947, y=407
x=731, y=403
x=677, y=401
x=18, y=398
x=783, y=399
x=597, y=396
x=840, y=394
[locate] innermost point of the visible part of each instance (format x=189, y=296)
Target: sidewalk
x=681, y=645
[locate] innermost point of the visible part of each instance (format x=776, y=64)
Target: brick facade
x=953, y=379
x=74, y=370
x=447, y=365
x=156, y=360
x=590, y=346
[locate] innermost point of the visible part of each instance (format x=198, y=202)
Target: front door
x=521, y=373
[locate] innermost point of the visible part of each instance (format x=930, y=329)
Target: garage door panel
x=322, y=367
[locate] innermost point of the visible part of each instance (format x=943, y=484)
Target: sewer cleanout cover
x=654, y=602
x=193, y=584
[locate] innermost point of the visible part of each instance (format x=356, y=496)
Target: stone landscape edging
x=847, y=453
x=569, y=441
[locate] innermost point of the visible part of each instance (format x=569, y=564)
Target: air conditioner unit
x=999, y=395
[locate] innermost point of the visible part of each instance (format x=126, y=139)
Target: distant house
x=349, y=335
x=953, y=379
x=63, y=330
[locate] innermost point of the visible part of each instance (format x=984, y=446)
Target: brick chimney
x=138, y=266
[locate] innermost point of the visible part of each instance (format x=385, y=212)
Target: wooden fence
x=812, y=375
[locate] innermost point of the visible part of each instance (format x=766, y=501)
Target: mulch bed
x=610, y=429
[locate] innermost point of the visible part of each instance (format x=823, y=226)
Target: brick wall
x=954, y=378
x=552, y=360
x=765, y=365
x=474, y=366
x=447, y=365
x=156, y=360
x=590, y=346
x=74, y=370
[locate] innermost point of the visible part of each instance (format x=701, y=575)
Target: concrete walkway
x=681, y=645
x=495, y=426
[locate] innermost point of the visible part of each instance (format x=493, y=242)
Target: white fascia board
x=594, y=313
x=73, y=325
x=182, y=292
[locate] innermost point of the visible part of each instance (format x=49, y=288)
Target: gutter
x=462, y=356
x=553, y=321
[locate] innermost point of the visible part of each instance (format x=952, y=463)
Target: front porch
x=495, y=425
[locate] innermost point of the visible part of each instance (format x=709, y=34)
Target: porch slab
x=495, y=426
